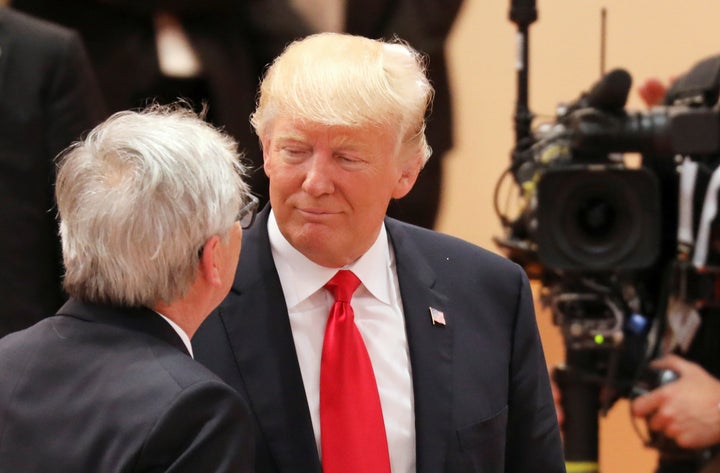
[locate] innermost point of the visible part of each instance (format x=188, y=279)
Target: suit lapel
x=258, y=326
x=430, y=350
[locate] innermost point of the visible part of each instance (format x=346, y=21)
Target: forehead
x=361, y=137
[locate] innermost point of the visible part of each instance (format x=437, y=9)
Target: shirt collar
x=301, y=277
x=181, y=333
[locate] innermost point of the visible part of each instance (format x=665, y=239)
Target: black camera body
x=601, y=232
x=584, y=209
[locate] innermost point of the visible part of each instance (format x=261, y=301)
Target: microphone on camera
x=611, y=92
x=523, y=12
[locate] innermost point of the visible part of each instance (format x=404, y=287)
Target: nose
x=319, y=176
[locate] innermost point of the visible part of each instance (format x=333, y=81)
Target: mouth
x=311, y=213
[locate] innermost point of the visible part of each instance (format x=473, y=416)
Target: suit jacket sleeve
x=206, y=429
x=533, y=438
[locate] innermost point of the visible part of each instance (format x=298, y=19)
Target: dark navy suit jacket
x=482, y=396
x=105, y=389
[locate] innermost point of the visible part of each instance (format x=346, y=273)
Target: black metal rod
x=523, y=13
x=580, y=401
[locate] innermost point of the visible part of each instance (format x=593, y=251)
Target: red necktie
x=351, y=421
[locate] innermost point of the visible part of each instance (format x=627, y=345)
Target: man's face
x=330, y=186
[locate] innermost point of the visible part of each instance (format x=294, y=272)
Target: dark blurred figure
x=157, y=50
x=48, y=97
x=687, y=411
x=425, y=24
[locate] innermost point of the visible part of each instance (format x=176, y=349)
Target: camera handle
x=580, y=400
x=523, y=13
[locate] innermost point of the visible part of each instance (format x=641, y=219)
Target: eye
x=295, y=152
x=350, y=161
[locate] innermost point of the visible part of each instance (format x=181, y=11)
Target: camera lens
x=596, y=223
x=596, y=218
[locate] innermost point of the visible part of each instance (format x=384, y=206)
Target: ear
x=408, y=175
x=266, y=162
x=208, y=262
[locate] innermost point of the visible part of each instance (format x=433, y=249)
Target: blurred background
x=648, y=38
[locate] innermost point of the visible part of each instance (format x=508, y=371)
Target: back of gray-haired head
x=138, y=198
x=344, y=80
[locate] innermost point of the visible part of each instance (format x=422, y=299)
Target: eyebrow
x=347, y=142
x=343, y=139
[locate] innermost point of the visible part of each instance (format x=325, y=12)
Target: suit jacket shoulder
x=461, y=263
x=122, y=399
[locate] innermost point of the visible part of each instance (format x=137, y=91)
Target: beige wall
x=646, y=37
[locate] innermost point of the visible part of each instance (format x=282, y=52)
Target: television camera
x=617, y=240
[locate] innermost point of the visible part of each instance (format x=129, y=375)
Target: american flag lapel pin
x=437, y=316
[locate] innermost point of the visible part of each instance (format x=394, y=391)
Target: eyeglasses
x=246, y=215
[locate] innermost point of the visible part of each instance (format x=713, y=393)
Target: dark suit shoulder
x=30, y=28
x=129, y=402
x=107, y=351
x=56, y=54
x=439, y=247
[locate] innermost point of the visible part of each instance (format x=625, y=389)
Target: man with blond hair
x=376, y=346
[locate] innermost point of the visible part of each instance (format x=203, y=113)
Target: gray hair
x=346, y=80
x=138, y=198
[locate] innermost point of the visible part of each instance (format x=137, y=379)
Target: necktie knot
x=343, y=285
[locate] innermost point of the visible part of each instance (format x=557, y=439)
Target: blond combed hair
x=345, y=80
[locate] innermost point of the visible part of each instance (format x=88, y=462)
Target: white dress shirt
x=379, y=318
x=181, y=333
